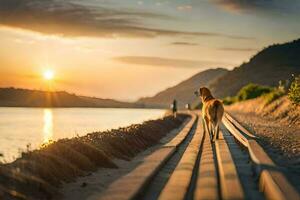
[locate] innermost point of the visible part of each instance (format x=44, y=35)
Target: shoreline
x=45, y=170
x=28, y=128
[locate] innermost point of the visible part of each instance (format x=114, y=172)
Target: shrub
x=252, y=91
x=39, y=173
x=229, y=100
x=272, y=96
x=294, y=91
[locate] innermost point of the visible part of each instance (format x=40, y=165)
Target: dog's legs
x=211, y=130
x=216, y=132
x=203, y=125
x=207, y=125
x=213, y=133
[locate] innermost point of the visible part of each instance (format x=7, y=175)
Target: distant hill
x=184, y=91
x=274, y=63
x=12, y=97
x=269, y=66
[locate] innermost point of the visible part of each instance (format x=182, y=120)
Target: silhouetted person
x=188, y=106
x=174, y=108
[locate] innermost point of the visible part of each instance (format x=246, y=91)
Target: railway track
x=191, y=167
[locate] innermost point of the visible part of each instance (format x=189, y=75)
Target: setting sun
x=48, y=74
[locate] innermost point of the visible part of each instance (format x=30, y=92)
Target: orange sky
x=167, y=43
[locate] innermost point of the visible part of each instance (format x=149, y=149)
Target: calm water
x=22, y=126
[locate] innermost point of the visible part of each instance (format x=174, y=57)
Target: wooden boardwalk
x=191, y=167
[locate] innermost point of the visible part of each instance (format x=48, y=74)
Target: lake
x=20, y=127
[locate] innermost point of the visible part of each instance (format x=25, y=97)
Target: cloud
x=22, y=41
x=184, y=7
x=259, y=5
x=242, y=5
x=66, y=18
x=168, y=62
x=184, y=43
x=237, y=49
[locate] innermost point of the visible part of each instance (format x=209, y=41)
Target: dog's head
x=203, y=93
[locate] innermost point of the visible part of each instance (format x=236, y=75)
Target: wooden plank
x=258, y=155
x=235, y=132
x=207, y=180
x=179, y=182
x=276, y=187
x=239, y=126
x=175, y=142
x=231, y=188
x=271, y=182
x=129, y=186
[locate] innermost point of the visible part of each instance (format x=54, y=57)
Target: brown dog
x=212, y=112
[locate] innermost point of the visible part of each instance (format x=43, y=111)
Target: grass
x=252, y=91
x=272, y=96
x=39, y=173
x=230, y=100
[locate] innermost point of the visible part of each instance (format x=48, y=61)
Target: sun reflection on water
x=48, y=126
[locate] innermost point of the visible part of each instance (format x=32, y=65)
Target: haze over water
x=35, y=126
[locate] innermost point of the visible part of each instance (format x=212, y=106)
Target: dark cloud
x=280, y=6
x=238, y=5
x=70, y=19
x=168, y=62
x=184, y=43
x=62, y=17
x=237, y=49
